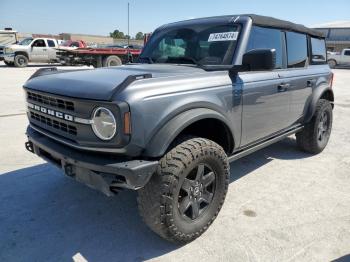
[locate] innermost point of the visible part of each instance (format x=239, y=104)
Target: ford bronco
x=204, y=92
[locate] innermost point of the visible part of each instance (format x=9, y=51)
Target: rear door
x=346, y=57
x=51, y=49
x=39, y=51
x=301, y=78
x=265, y=94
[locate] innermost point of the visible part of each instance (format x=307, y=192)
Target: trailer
x=97, y=57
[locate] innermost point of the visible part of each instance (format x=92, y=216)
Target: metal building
x=337, y=35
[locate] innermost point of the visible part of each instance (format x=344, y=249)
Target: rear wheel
x=315, y=135
x=21, y=61
x=186, y=193
x=112, y=61
x=332, y=63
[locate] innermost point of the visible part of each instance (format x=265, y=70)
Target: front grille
x=72, y=130
x=51, y=101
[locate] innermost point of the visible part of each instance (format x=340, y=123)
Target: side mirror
x=260, y=59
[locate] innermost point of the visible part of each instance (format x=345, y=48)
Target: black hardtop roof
x=258, y=20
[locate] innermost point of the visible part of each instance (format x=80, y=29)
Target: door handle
x=44, y=49
x=283, y=87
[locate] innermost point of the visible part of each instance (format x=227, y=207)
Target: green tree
x=139, y=36
x=117, y=34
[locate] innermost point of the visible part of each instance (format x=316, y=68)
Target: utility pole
x=128, y=24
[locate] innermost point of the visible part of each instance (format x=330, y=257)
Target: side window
x=172, y=47
x=267, y=38
x=39, y=43
x=318, y=51
x=74, y=44
x=296, y=49
x=347, y=53
x=51, y=43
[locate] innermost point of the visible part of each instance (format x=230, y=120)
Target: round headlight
x=104, y=124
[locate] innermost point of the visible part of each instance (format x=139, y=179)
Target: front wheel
x=21, y=61
x=315, y=135
x=187, y=192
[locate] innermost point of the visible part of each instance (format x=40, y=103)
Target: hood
x=15, y=46
x=103, y=83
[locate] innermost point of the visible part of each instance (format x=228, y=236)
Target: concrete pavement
x=282, y=204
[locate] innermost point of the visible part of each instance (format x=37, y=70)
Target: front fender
x=166, y=135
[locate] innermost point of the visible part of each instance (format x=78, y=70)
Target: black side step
x=249, y=150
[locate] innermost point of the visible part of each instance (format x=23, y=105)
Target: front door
x=39, y=52
x=266, y=102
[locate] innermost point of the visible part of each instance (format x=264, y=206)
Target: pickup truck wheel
x=112, y=61
x=315, y=135
x=21, y=61
x=332, y=63
x=187, y=192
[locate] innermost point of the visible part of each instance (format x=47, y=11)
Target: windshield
x=195, y=44
x=26, y=41
x=7, y=39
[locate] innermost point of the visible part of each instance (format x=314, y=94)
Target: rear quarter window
x=318, y=51
x=296, y=50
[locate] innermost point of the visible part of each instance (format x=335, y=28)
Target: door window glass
x=318, y=49
x=262, y=38
x=51, y=43
x=296, y=49
x=39, y=43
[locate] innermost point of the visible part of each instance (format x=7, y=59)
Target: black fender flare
x=317, y=94
x=162, y=139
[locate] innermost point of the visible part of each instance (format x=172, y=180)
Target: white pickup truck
x=339, y=59
x=31, y=50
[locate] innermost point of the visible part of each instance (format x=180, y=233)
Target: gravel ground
x=282, y=204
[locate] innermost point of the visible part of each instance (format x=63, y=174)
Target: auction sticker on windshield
x=225, y=36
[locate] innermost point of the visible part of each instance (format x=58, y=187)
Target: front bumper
x=104, y=172
x=9, y=57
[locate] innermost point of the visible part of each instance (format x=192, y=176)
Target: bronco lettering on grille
x=51, y=112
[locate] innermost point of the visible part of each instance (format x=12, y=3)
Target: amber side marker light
x=127, y=123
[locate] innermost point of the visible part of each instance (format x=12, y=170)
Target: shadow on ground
x=45, y=216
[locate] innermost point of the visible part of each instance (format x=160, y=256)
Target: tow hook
x=29, y=146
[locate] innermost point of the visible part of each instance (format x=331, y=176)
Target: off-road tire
x=21, y=61
x=112, y=60
x=158, y=200
x=307, y=139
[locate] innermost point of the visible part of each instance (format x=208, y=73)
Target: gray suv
x=205, y=92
